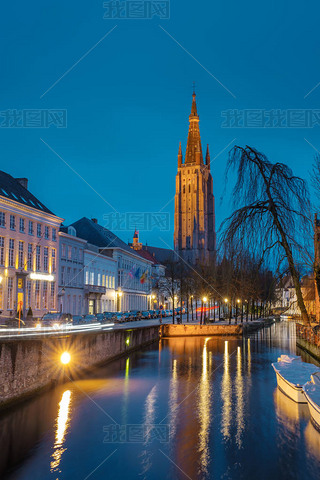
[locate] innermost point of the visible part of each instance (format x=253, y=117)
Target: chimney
x=23, y=182
x=94, y=220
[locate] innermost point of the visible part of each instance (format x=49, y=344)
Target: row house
x=29, y=255
x=71, y=272
x=100, y=271
x=133, y=283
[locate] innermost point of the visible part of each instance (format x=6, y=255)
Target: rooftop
x=11, y=188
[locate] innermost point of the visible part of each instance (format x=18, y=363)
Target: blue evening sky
x=128, y=99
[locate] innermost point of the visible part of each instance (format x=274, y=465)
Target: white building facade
x=71, y=272
x=29, y=246
x=100, y=273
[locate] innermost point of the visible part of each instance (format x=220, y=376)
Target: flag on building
x=144, y=276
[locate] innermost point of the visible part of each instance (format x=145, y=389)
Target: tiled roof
x=162, y=255
x=99, y=236
x=148, y=256
x=11, y=188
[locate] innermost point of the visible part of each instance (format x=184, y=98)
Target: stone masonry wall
x=32, y=364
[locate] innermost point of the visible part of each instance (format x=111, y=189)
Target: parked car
x=117, y=317
x=89, y=318
x=153, y=313
x=56, y=320
x=161, y=312
x=145, y=315
x=77, y=320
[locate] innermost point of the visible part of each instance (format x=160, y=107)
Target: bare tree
x=274, y=211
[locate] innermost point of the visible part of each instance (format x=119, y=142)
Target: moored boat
x=292, y=374
x=312, y=395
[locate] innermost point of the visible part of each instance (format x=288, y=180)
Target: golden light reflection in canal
x=61, y=429
x=204, y=408
x=239, y=399
x=226, y=393
x=173, y=399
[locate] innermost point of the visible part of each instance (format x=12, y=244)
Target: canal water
x=188, y=408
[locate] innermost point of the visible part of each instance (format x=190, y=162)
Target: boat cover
x=297, y=373
x=312, y=389
x=289, y=358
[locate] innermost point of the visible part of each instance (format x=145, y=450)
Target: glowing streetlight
x=226, y=300
x=65, y=358
x=238, y=300
x=204, y=299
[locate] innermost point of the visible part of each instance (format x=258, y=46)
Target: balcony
x=94, y=289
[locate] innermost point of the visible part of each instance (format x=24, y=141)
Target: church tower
x=194, y=218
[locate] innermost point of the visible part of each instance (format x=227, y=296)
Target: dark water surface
x=214, y=401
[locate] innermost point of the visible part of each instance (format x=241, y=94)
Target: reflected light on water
x=312, y=437
x=226, y=391
x=239, y=400
x=204, y=405
x=173, y=399
x=62, y=425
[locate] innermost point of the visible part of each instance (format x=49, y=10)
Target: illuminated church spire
x=194, y=218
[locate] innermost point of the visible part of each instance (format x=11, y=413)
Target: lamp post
x=226, y=307
x=204, y=301
x=119, y=294
x=191, y=301
x=237, y=304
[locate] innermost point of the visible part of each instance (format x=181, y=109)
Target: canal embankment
x=30, y=364
x=308, y=340
x=223, y=329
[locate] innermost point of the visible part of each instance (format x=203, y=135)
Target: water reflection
x=226, y=392
x=288, y=412
x=204, y=408
x=239, y=399
x=312, y=437
x=61, y=429
x=218, y=395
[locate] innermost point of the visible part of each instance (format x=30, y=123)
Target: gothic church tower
x=194, y=218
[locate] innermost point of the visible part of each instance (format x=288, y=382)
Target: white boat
x=312, y=394
x=292, y=374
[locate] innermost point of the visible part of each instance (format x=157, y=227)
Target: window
x=30, y=256
x=21, y=225
x=38, y=258
x=80, y=305
x=1, y=250
x=10, y=294
x=63, y=250
x=99, y=278
x=74, y=306
x=45, y=258
x=62, y=275
x=2, y=219
x=30, y=228
x=38, y=229
x=53, y=260
x=28, y=293
x=45, y=294
x=37, y=293
x=80, y=255
x=69, y=253
x=75, y=253
x=11, y=252
x=1, y=297
x=68, y=275
x=20, y=259
x=91, y=278
x=87, y=277
x=54, y=234
x=12, y=222
x=52, y=295
x=75, y=277
x=46, y=232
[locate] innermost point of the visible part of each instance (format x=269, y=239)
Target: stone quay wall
x=31, y=364
x=308, y=340
x=168, y=330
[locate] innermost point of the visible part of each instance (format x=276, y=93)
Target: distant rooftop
x=15, y=189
